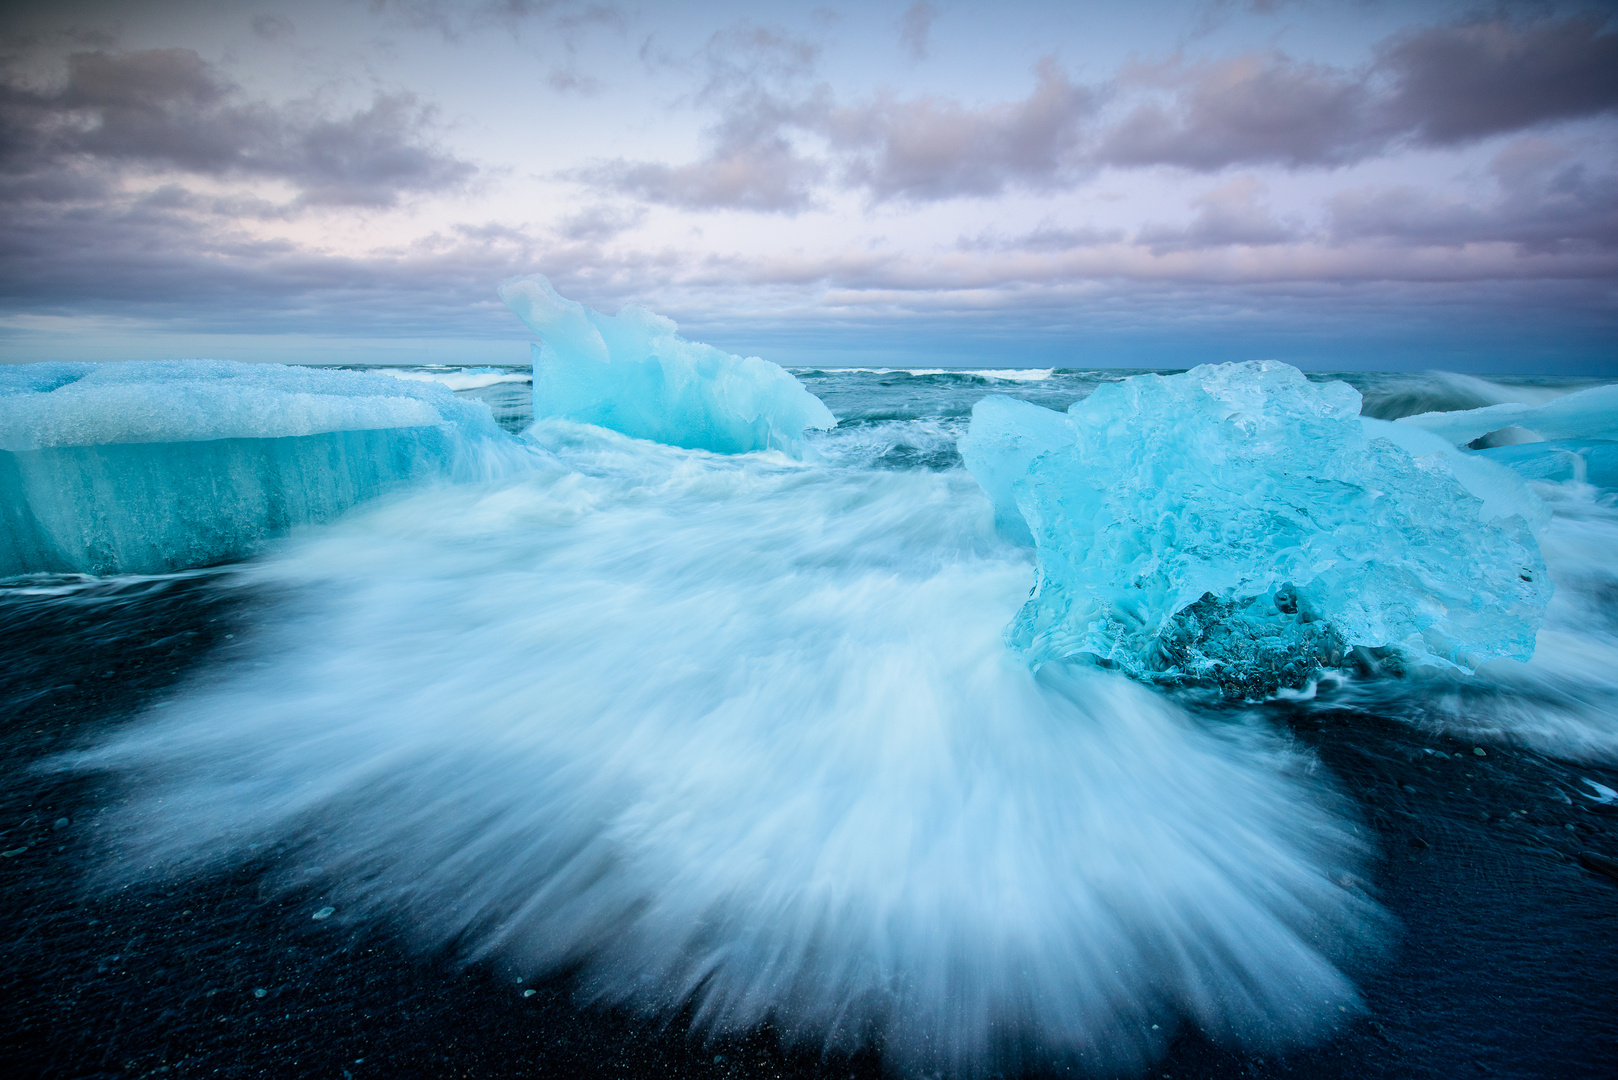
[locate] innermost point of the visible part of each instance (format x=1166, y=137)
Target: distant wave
x=1391, y=396
x=1007, y=374
x=458, y=378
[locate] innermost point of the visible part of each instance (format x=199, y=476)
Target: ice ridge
x=147, y=467
x=1241, y=526
x=632, y=372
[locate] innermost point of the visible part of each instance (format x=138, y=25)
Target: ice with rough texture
x=1239, y=525
x=145, y=467
x=632, y=372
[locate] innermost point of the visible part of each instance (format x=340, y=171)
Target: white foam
x=459, y=378
x=1008, y=374
x=744, y=733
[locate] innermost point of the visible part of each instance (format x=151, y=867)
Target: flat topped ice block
x=147, y=467
x=1241, y=525
x=633, y=373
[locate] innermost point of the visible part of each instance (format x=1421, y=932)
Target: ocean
x=647, y=761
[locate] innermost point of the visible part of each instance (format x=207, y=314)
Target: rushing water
x=734, y=745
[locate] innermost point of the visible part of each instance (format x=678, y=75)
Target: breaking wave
x=741, y=734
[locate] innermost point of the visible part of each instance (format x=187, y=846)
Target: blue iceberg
x=148, y=467
x=1238, y=525
x=633, y=373
x=1574, y=438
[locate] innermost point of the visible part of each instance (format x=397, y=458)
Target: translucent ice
x=633, y=373
x=1588, y=414
x=157, y=466
x=1240, y=525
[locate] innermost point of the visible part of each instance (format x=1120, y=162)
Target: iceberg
x=150, y=467
x=1240, y=526
x=635, y=374
x=1588, y=414
x=1573, y=438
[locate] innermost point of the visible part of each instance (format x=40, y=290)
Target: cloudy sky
x=1360, y=184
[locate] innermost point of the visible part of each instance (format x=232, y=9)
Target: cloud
x=454, y=19
x=168, y=109
x=1232, y=214
x=1437, y=86
x=936, y=148
x=914, y=26
x=767, y=176
x=1259, y=108
x=757, y=79
x=1547, y=201
x=272, y=27
x=1475, y=79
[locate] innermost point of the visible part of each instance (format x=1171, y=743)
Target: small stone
x=260, y=993
x=61, y=823
x=529, y=993
x=1479, y=751
x=324, y=913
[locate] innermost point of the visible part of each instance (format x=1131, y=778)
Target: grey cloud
x=1256, y=108
x=1547, y=201
x=1048, y=237
x=935, y=148
x=567, y=80
x=454, y=19
x=1232, y=214
x=168, y=108
x=916, y=149
x=272, y=27
x=756, y=77
x=914, y=26
x=1454, y=83
x=1437, y=86
x=599, y=223
x=768, y=176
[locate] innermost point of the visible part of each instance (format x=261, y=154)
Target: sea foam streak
x=743, y=732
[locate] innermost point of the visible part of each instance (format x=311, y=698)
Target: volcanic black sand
x=1505, y=961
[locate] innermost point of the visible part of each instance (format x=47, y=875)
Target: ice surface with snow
x=632, y=372
x=1240, y=525
x=145, y=467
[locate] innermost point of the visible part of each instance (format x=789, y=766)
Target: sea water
x=740, y=739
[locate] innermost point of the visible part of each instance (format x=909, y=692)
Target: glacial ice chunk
x=1584, y=461
x=632, y=372
x=147, y=467
x=1573, y=438
x=1239, y=525
x=1588, y=414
